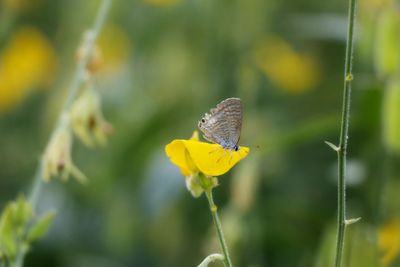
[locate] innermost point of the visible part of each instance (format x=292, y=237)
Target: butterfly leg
x=223, y=156
x=230, y=156
x=213, y=151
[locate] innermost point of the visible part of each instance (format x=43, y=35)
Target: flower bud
x=57, y=157
x=193, y=185
x=95, y=57
x=197, y=183
x=87, y=118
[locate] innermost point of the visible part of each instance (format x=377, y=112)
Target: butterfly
x=224, y=124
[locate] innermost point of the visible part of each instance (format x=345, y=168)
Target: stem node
x=214, y=208
x=349, y=77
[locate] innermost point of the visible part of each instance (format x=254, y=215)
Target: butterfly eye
x=203, y=120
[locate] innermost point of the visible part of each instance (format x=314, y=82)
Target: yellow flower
x=292, y=71
x=389, y=240
x=26, y=63
x=193, y=156
x=374, y=5
x=115, y=47
x=20, y=5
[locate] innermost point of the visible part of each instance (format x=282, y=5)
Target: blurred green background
x=166, y=63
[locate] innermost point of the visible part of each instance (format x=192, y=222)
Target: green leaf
x=7, y=240
x=40, y=227
x=23, y=213
x=387, y=42
x=391, y=116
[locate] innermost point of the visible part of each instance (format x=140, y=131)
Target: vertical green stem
x=342, y=149
x=217, y=223
x=78, y=79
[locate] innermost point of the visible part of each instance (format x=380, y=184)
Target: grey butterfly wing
x=214, y=128
x=232, y=109
x=223, y=125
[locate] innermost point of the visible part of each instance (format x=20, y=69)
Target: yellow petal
x=192, y=156
x=212, y=159
x=177, y=153
x=27, y=63
x=389, y=240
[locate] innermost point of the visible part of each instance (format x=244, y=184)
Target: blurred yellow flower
x=374, y=5
x=287, y=69
x=21, y=4
x=26, y=63
x=193, y=156
x=57, y=157
x=87, y=118
x=115, y=46
x=163, y=3
x=389, y=240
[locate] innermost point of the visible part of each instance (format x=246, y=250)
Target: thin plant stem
x=213, y=208
x=78, y=79
x=342, y=148
x=37, y=186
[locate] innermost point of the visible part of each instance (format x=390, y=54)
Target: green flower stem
x=342, y=148
x=77, y=81
x=217, y=223
x=37, y=186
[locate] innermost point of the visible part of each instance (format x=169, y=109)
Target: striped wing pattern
x=223, y=125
